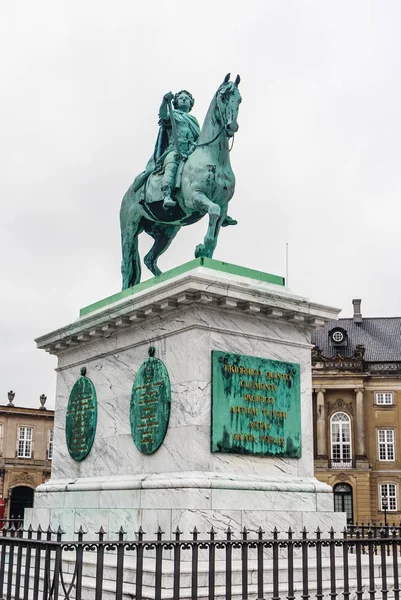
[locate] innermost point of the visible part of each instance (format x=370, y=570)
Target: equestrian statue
x=188, y=176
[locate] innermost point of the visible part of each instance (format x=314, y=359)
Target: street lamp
x=385, y=507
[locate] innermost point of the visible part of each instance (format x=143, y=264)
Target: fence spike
x=304, y=533
x=159, y=533
x=275, y=532
x=212, y=533
x=290, y=532
x=331, y=532
x=59, y=533
x=244, y=533
x=177, y=533
x=101, y=533
x=260, y=532
x=81, y=532
x=318, y=532
x=229, y=532
x=121, y=532
x=195, y=533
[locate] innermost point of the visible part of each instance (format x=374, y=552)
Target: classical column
x=321, y=423
x=360, y=423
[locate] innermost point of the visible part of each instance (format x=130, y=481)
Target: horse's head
x=228, y=99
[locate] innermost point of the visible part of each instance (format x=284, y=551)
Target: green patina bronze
x=210, y=263
x=81, y=418
x=150, y=404
x=188, y=176
x=255, y=406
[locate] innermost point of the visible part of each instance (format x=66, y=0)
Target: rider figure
x=187, y=132
x=173, y=145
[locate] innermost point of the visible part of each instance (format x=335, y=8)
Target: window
x=338, y=336
x=343, y=500
x=24, y=442
x=385, y=442
x=384, y=398
x=389, y=491
x=341, y=439
x=50, y=445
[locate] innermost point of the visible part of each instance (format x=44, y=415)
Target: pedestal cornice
x=200, y=286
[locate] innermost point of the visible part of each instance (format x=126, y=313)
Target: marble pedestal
x=185, y=316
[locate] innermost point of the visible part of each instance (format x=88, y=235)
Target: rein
x=217, y=135
x=210, y=141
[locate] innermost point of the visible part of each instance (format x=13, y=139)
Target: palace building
x=26, y=450
x=356, y=373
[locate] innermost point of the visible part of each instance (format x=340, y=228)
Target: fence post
x=383, y=554
x=244, y=563
x=20, y=535
x=290, y=563
x=319, y=585
x=194, y=578
x=177, y=564
x=99, y=565
x=212, y=566
x=395, y=563
x=275, y=565
x=28, y=563
x=260, y=563
x=120, y=564
x=79, y=563
x=305, y=580
x=159, y=558
x=139, y=565
x=10, y=561
x=229, y=551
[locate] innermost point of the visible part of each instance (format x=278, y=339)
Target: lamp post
x=385, y=507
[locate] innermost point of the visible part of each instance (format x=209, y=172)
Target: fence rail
x=363, y=561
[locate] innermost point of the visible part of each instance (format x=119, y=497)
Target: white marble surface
x=116, y=484
x=187, y=355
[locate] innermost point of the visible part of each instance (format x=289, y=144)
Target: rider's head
x=183, y=100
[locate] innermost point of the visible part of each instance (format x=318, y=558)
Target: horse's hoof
x=199, y=251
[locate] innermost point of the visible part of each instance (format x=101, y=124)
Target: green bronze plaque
x=80, y=425
x=255, y=406
x=150, y=404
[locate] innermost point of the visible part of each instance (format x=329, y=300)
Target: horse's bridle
x=220, y=131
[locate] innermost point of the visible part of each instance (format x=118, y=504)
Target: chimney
x=357, y=318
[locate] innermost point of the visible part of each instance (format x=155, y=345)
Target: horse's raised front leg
x=202, y=202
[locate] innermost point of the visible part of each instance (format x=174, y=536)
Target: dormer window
x=338, y=337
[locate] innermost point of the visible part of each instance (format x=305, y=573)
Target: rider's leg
x=171, y=163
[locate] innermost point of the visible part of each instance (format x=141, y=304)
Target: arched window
x=343, y=500
x=341, y=455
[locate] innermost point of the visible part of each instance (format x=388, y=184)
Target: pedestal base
x=185, y=317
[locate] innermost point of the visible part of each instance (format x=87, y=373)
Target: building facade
x=356, y=371
x=26, y=448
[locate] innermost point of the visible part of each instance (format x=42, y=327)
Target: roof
x=381, y=337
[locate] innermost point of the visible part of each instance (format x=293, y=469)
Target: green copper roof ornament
x=188, y=176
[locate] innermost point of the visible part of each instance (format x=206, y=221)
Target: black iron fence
x=362, y=562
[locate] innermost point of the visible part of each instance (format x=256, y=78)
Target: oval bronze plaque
x=80, y=425
x=150, y=405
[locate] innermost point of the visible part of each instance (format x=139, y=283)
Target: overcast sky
x=317, y=156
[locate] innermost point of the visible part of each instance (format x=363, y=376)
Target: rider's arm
x=164, y=111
